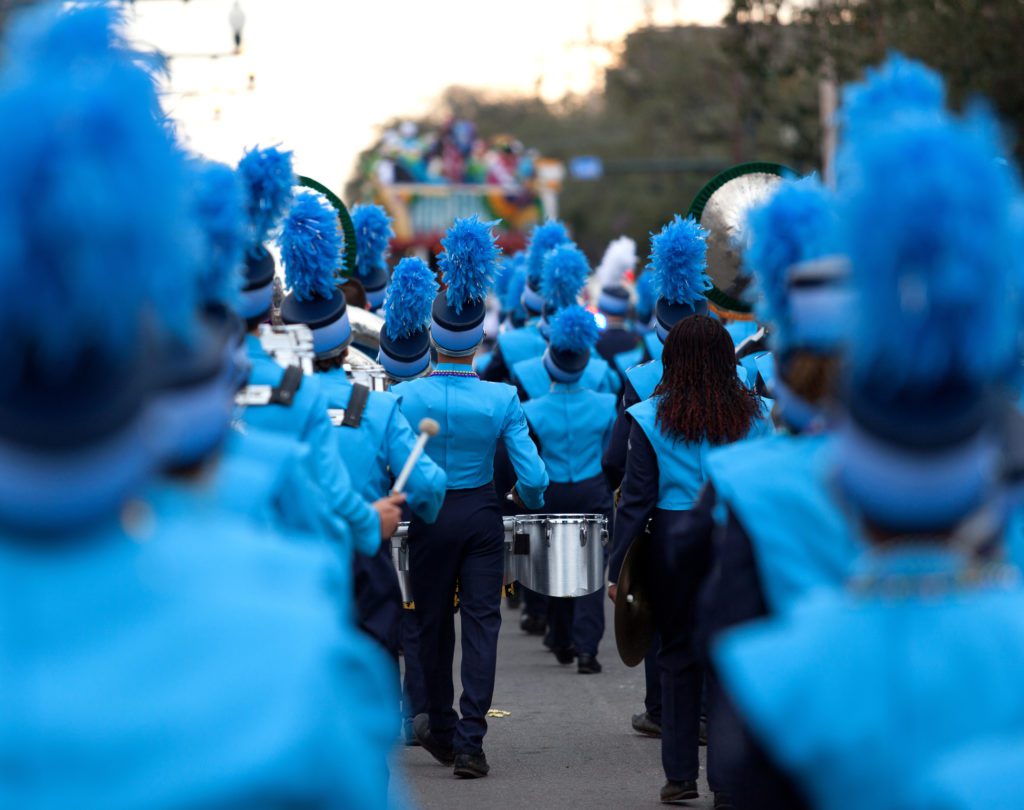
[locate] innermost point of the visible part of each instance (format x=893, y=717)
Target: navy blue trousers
x=465, y=544
x=652, y=678
x=579, y=621
x=414, y=687
x=676, y=574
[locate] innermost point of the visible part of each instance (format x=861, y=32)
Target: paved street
x=567, y=743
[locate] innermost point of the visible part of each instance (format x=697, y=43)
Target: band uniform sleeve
x=333, y=478
x=614, y=460
x=639, y=496
x=428, y=482
x=530, y=471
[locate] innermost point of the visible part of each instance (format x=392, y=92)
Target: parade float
x=426, y=178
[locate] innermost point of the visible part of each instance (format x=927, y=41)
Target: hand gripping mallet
x=428, y=428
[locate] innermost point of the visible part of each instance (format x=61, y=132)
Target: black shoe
x=723, y=801
x=643, y=724
x=533, y=625
x=587, y=664
x=565, y=655
x=443, y=754
x=676, y=792
x=471, y=766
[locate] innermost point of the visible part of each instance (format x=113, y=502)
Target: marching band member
x=613, y=301
x=699, y=403
x=571, y=425
x=405, y=355
x=297, y=407
x=927, y=636
x=373, y=237
x=527, y=341
x=649, y=346
x=138, y=639
x=781, y=533
x=565, y=272
x=465, y=545
x=372, y=436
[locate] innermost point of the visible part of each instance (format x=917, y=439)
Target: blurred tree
x=672, y=110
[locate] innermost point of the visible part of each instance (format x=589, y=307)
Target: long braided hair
x=700, y=395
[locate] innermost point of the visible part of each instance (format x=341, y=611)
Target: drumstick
x=428, y=428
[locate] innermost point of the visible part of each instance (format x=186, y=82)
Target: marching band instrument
x=634, y=608
x=560, y=555
x=721, y=207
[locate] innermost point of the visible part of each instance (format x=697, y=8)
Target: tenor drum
x=400, y=557
x=560, y=555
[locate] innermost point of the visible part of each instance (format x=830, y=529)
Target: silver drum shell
x=560, y=555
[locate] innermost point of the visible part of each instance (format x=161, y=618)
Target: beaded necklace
x=455, y=374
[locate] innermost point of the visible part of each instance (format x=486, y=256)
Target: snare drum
x=560, y=555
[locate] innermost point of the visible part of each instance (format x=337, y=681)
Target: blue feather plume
x=310, y=244
x=96, y=228
x=410, y=298
x=679, y=260
x=373, y=237
x=270, y=184
x=544, y=238
x=796, y=224
x=219, y=204
x=897, y=88
x=573, y=329
x=646, y=296
x=469, y=261
x=928, y=221
x=565, y=272
x=513, y=301
x=506, y=269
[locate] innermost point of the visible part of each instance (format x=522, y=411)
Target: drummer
x=571, y=426
x=699, y=403
x=464, y=549
x=372, y=436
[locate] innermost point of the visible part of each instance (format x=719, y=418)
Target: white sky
x=327, y=72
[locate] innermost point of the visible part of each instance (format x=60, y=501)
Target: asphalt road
x=566, y=744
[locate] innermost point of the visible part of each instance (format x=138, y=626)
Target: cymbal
x=722, y=207
x=634, y=606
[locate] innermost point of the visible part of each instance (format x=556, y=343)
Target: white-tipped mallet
x=428, y=428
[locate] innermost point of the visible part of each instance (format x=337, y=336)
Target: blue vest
x=376, y=451
x=185, y=660
x=985, y=774
x=855, y=695
x=521, y=344
x=306, y=420
x=473, y=415
x=536, y=382
x=777, y=489
x=624, y=361
x=645, y=378
x=573, y=426
x=681, y=464
x=741, y=330
x=654, y=345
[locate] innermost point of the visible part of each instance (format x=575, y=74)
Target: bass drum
x=560, y=555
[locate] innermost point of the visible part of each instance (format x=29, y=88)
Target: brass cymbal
x=634, y=606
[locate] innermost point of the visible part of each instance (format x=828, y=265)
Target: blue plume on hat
x=929, y=226
x=270, y=183
x=219, y=204
x=506, y=269
x=898, y=88
x=95, y=219
x=796, y=224
x=646, y=295
x=513, y=301
x=573, y=329
x=373, y=235
x=310, y=243
x=469, y=261
x=565, y=272
x=543, y=239
x=410, y=298
x=679, y=261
